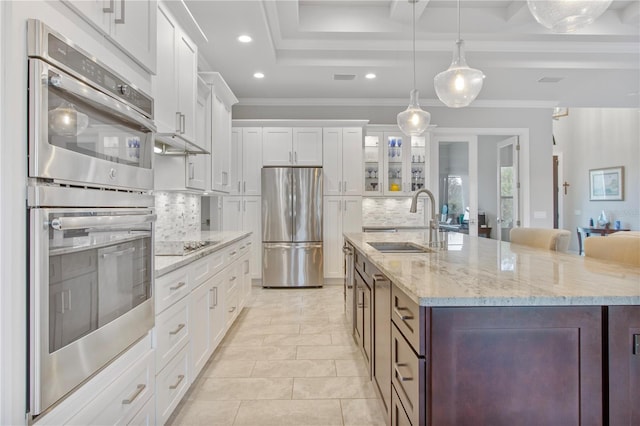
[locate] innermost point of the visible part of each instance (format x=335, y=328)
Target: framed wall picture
x=606, y=184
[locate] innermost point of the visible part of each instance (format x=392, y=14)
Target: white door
x=277, y=146
x=199, y=328
x=508, y=190
x=351, y=215
x=165, y=87
x=235, y=169
x=251, y=160
x=454, y=180
x=232, y=213
x=220, y=146
x=332, y=236
x=217, y=314
x=195, y=171
x=352, y=174
x=252, y=222
x=187, y=75
x=332, y=155
x=307, y=146
x=96, y=11
x=134, y=28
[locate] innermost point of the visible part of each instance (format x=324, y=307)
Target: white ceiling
x=300, y=44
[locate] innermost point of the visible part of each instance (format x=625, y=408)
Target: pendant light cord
x=414, y=43
x=458, y=20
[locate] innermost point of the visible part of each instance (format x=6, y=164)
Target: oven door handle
x=64, y=223
x=62, y=81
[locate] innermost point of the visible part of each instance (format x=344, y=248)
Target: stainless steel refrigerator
x=292, y=227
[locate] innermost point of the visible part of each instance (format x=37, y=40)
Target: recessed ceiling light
x=258, y=75
x=245, y=39
x=370, y=76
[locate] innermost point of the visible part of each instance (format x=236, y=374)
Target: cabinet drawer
x=398, y=415
x=231, y=305
x=123, y=398
x=244, y=246
x=146, y=416
x=170, y=288
x=408, y=377
x=171, y=385
x=410, y=318
x=203, y=269
x=233, y=253
x=171, y=332
x=234, y=277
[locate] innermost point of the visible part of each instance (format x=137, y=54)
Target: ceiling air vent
x=344, y=77
x=550, y=79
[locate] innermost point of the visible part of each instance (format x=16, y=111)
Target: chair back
x=619, y=247
x=544, y=238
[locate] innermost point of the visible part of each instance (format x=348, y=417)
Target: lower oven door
x=91, y=275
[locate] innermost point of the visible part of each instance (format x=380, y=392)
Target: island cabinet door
x=624, y=365
x=517, y=366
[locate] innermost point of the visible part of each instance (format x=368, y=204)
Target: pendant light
x=459, y=85
x=413, y=121
x=565, y=16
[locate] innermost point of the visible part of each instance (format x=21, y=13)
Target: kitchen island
x=485, y=332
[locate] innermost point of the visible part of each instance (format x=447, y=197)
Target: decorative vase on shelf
x=602, y=220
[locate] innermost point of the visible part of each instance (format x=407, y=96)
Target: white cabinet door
x=246, y=278
x=199, y=302
x=277, y=148
x=232, y=213
x=187, y=86
x=352, y=174
x=134, y=28
x=332, y=236
x=195, y=171
x=332, y=159
x=251, y=160
x=99, y=13
x=217, y=314
x=221, y=145
x=235, y=171
x=351, y=215
x=252, y=222
x=307, y=146
x=165, y=87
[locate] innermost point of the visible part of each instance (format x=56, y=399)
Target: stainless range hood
x=176, y=144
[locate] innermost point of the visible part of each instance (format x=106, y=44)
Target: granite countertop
x=166, y=264
x=476, y=271
x=397, y=227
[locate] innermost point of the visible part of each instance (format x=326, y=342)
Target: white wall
x=591, y=138
x=537, y=120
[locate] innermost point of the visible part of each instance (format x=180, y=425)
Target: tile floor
x=287, y=360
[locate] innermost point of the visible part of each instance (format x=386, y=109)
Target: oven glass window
x=95, y=276
x=77, y=125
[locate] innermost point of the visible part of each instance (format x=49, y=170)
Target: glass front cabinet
x=394, y=164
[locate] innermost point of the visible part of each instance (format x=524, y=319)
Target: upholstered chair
x=620, y=247
x=544, y=238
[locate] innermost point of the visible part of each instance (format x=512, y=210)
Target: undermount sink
x=399, y=247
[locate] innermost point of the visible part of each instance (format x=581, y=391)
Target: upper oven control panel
x=54, y=48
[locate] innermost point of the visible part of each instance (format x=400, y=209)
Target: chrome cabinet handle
x=120, y=20
x=396, y=368
x=182, y=123
x=225, y=178
x=177, y=330
x=232, y=278
x=135, y=394
x=233, y=253
x=180, y=285
x=178, y=118
x=213, y=291
x=180, y=379
x=397, y=310
x=295, y=157
x=379, y=277
x=232, y=309
x=110, y=8
x=119, y=253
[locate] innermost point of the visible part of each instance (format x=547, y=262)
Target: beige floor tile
x=243, y=340
x=236, y=389
x=300, y=319
x=295, y=413
x=332, y=387
x=228, y=368
x=297, y=339
x=322, y=328
x=294, y=368
x=342, y=338
x=255, y=353
x=362, y=412
x=351, y=367
x=254, y=329
x=328, y=352
x=205, y=413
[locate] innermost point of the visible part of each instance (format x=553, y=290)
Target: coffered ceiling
x=301, y=46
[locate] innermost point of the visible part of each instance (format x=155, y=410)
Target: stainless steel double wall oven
x=91, y=217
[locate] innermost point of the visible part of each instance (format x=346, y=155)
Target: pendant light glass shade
x=413, y=121
x=459, y=85
x=565, y=16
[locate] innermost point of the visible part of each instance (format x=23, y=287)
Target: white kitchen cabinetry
x=222, y=100
x=175, y=83
x=394, y=164
x=342, y=158
x=340, y=215
x=129, y=24
x=245, y=214
x=246, y=161
x=298, y=146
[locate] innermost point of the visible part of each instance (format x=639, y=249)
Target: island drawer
x=408, y=378
x=398, y=415
x=411, y=319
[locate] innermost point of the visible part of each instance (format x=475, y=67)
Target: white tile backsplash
x=392, y=212
x=178, y=215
